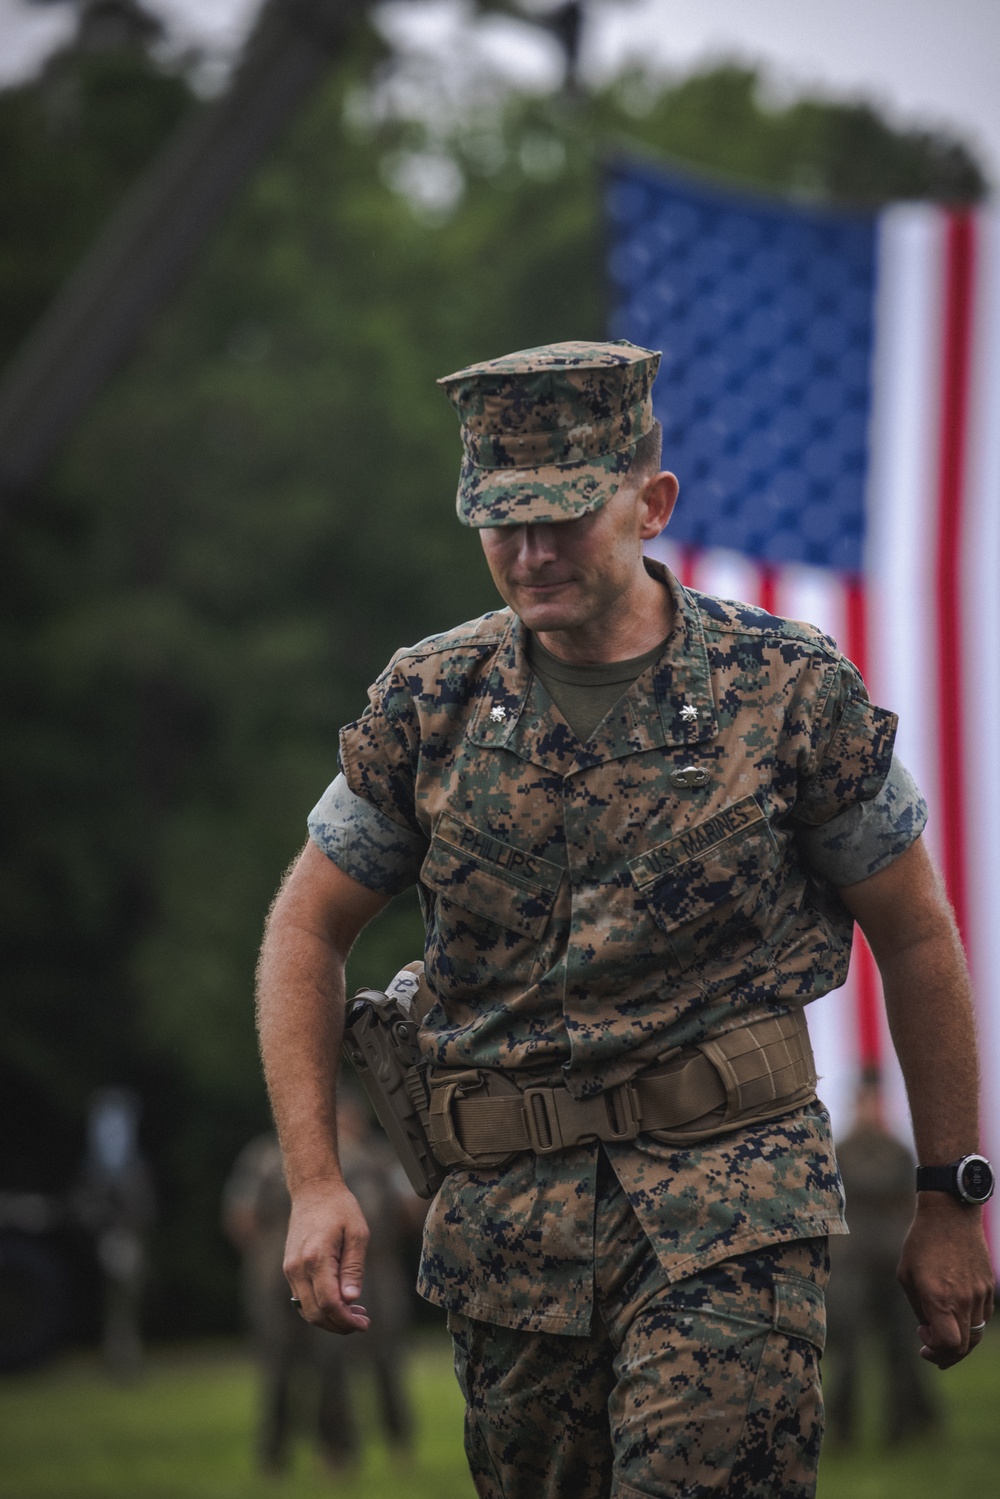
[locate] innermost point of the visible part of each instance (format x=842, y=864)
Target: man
x=863, y=1299
x=641, y=821
x=255, y=1210
x=115, y=1199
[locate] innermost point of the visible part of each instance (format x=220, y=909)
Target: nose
x=536, y=544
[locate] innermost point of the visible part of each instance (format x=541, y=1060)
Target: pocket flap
x=491, y=878
x=800, y=1309
x=692, y=846
x=707, y=870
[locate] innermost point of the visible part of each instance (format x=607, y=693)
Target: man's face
x=566, y=574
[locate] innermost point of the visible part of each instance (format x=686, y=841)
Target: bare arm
x=945, y=1266
x=313, y=923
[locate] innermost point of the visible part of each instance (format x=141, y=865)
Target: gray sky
x=928, y=62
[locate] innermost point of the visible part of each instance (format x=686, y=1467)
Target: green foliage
x=247, y=524
x=70, y=144
x=846, y=153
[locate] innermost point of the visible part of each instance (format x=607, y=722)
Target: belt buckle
x=541, y=1120
x=622, y=1106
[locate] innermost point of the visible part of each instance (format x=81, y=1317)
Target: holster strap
x=742, y=1077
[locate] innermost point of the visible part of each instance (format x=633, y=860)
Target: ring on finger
x=295, y=1300
x=977, y=1326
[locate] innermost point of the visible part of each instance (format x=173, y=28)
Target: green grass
x=185, y=1431
x=961, y=1460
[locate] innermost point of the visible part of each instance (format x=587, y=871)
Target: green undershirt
x=585, y=695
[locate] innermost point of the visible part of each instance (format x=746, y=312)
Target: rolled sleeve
x=365, y=843
x=378, y=751
x=853, y=751
x=867, y=837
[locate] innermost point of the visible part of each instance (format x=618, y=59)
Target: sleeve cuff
x=854, y=766
x=364, y=842
x=868, y=836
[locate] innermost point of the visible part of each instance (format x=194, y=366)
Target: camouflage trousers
x=707, y=1387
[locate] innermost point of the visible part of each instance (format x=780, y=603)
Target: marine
x=642, y=822
x=865, y=1308
x=290, y=1353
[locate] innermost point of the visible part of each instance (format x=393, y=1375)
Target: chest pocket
x=490, y=878
x=710, y=888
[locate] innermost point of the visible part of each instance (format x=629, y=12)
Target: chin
x=547, y=614
x=542, y=618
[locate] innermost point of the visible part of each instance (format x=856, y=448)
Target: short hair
x=647, y=453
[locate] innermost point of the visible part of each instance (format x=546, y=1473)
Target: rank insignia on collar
x=498, y=714
x=689, y=714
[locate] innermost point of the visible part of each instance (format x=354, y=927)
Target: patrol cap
x=548, y=433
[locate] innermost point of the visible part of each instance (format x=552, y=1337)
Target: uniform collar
x=669, y=705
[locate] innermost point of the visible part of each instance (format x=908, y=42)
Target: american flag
x=830, y=400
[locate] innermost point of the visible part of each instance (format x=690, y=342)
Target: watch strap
x=937, y=1178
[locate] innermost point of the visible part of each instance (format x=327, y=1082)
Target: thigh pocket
x=800, y=1310
x=779, y=1448
x=710, y=888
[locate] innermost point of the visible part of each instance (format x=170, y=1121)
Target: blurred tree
x=846, y=153
x=257, y=512
x=71, y=141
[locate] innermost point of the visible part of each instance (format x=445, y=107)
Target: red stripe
x=956, y=376
x=857, y=624
x=686, y=566
x=959, y=311
x=768, y=589
x=867, y=1003
x=868, y=988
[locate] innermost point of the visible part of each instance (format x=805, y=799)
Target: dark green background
x=255, y=513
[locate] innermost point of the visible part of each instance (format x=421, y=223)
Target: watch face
x=976, y=1179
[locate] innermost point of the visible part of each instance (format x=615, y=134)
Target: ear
x=657, y=498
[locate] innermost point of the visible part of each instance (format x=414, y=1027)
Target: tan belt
x=743, y=1077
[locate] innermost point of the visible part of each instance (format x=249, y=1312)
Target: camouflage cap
x=549, y=433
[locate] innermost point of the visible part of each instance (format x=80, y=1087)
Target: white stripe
x=819, y=597
x=902, y=486
x=662, y=549
x=980, y=561
x=815, y=595
x=727, y=575
x=834, y=1042
x=901, y=535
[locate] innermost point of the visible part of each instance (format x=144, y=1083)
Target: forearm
x=300, y=1014
x=945, y=1266
x=300, y=1006
x=929, y=1008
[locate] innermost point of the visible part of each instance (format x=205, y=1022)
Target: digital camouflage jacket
x=590, y=907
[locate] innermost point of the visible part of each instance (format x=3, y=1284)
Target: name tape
x=695, y=841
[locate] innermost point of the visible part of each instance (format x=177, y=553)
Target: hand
x=325, y=1255
x=946, y=1273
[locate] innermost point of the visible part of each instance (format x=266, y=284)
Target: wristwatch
x=970, y=1179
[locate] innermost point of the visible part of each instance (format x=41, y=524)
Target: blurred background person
x=867, y=1310
x=114, y=1201
x=302, y=1368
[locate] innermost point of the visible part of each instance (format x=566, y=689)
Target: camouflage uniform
x=287, y=1346
x=865, y=1298
x=706, y=1386
x=588, y=910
